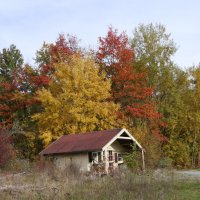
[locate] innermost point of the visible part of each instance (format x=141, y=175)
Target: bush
x=133, y=159
x=165, y=162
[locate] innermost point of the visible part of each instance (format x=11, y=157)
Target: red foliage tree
x=129, y=85
x=17, y=94
x=7, y=106
x=53, y=53
x=17, y=97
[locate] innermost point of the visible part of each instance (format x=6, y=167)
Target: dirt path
x=189, y=173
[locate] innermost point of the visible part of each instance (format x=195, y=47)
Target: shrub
x=132, y=159
x=7, y=151
x=18, y=165
x=165, y=162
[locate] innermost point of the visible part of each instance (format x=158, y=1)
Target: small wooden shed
x=99, y=150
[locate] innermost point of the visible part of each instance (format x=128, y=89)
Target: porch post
x=143, y=162
x=106, y=161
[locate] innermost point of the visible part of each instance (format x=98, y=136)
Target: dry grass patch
x=52, y=184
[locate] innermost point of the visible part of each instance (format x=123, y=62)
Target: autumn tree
x=17, y=103
x=175, y=111
x=17, y=96
x=190, y=133
x=194, y=119
x=154, y=49
x=10, y=59
x=116, y=58
x=75, y=101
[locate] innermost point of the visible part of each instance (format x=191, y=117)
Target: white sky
x=27, y=23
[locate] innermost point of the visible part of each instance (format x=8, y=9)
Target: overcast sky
x=27, y=23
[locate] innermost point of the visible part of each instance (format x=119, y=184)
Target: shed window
x=120, y=157
x=99, y=156
x=110, y=156
x=96, y=157
x=116, y=158
x=90, y=156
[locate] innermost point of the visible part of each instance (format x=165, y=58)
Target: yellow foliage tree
x=76, y=101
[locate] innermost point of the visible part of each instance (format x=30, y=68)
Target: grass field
x=188, y=190
x=162, y=185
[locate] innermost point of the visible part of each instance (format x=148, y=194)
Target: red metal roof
x=89, y=141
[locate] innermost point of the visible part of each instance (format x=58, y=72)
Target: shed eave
x=73, y=152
